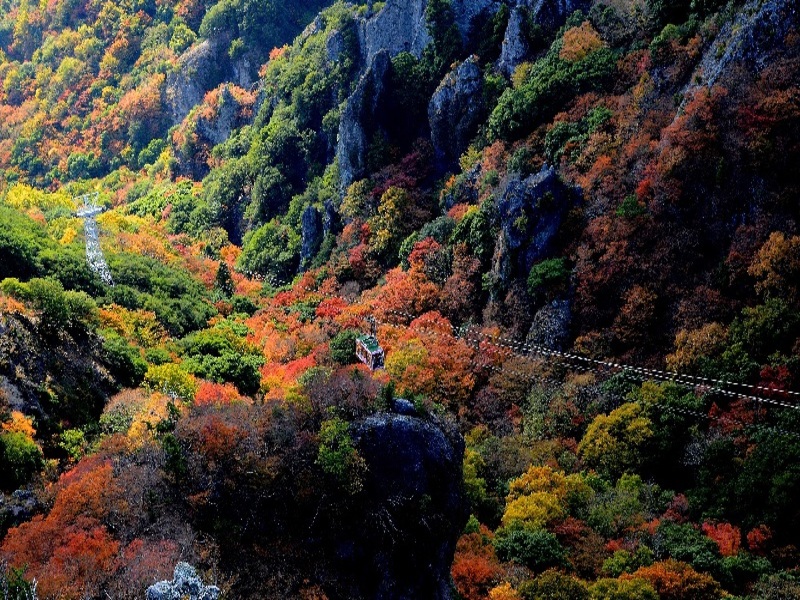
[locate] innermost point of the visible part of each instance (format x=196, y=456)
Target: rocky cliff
x=415, y=506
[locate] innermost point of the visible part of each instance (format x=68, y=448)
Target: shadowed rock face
x=455, y=111
x=51, y=377
x=358, y=118
x=312, y=233
x=754, y=37
x=531, y=212
x=548, y=14
x=414, y=510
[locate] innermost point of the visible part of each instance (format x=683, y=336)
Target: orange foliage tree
x=675, y=580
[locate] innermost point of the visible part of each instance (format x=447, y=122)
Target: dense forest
x=571, y=226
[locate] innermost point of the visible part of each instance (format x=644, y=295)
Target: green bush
x=20, y=459
x=537, y=549
x=548, y=277
x=687, y=544
x=343, y=347
x=337, y=457
x=273, y=249
x=551, y=83
x=630, y=208
x=553, y=585
x=220, y=355
x=123, y=360
x=21, y=241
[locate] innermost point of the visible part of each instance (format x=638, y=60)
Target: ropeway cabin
x=369, y=351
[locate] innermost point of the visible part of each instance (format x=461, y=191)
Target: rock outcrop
x=18, y=507
x=549, y=15
x=400, y=26
x=200, y=69
x=312, y=233
x=226, y=119
x=753, y=38
x=185, y=584
x=415, y=508
x=467, y=11
x=51, y=378
x=531, y=212
x=550, y=327
x=358, y=118
x=455, y=111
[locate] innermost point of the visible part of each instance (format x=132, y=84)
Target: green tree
x=613, y=443
x=633, y=588
x=20, y=459
x=548, y=277
x=537, y=549
x=343, y=347
x=337, y=457
x=273, y=249
x=223, y=280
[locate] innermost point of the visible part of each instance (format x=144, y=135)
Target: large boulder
x=456, y=110
x=531, y=212
x=185, y=584
x=415, y=507
x=551, y=325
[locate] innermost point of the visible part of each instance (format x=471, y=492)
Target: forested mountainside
x=572, y=226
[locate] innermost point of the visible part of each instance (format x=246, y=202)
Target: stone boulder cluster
x=185, y=584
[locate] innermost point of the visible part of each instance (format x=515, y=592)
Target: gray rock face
x=548, y=14
x=515, y=43
x=219, y=129
x=455, y=110
x=416, y=506
x=465, y=12
x=550, y=327
x=18, y=507
x=185, y=584
x=330, y=219
x=334, y=45
x=400, y=26
x=753, y=38
x=359, y=112
x=311, y=234
x=531, y=212
x=199, y=69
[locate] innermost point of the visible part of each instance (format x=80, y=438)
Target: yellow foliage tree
x=540, y=496
x=24, y=197
x=504, y=591
x=612, y=442
x=19, y=423
x=693, y=345
x=777, y=266
x=579, y=42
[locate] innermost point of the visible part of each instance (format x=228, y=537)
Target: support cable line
x=576, y=361
x=599, y=370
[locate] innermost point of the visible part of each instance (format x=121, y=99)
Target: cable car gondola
x=368, y=349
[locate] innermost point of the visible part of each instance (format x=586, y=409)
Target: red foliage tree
x=727, y=537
